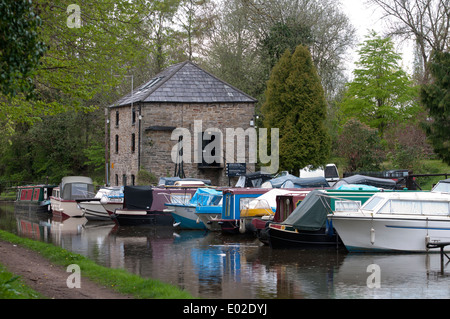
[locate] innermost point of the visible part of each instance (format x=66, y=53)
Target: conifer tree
x=295, y=103
x=436, y=99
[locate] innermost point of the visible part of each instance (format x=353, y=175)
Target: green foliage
x=381, y=92
x=436, y=99
x=66, y=144
x=20, y=47
x=295, y=103
x=284, y=36
x=360, y=146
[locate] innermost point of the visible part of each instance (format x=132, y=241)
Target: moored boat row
x=286, y=212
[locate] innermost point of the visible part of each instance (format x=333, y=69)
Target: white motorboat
x=106, y=198
x=396, y=221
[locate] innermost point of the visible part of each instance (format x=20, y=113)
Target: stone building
x=183, y=96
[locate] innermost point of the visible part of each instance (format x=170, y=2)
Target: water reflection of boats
x=411, y=276
x=398, y=221
x=71, y=188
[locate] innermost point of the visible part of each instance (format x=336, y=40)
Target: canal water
x=216, y=266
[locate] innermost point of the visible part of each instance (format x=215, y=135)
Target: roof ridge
x=220, y=80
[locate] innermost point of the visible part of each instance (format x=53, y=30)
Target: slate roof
x=185, y=83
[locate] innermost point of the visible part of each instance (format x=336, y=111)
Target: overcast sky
x=366, y=18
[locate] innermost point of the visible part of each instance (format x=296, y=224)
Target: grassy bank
x=118, y=279
x=11, y=287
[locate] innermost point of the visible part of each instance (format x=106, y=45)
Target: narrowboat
x=34, y=197
x=285, y=205
x=308, y=223
x=63, y=199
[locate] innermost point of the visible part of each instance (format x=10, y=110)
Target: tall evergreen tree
x=436, y=99
x=295, y=103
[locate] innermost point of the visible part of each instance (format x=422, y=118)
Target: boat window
x=415, y=207
x=435, y=208
x=371, y=203
x=228, y=199
x=345, y=205
x=244, y=202
x=443, y=187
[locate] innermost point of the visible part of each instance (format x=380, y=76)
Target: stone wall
x=157, y=124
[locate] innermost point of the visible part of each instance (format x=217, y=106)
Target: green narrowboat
x=34, y=197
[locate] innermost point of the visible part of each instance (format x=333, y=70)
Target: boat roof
x=412, y=195
x=367, y=180
x=76, y=179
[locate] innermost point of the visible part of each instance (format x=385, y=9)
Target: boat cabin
x=74, y=187
x=234, y=200
x=405, y=203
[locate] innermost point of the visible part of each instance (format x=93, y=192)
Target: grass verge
x=12, y=287
x=118, y=279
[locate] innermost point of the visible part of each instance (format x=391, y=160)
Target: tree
x=436, y=99
x=20, y=47
x=80, y=62
x=295, y=104
x=381, y=92
x=425, y=21
x=360, y=146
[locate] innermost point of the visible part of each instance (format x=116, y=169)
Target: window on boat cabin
x=180, y=198
x=36, y=194
x=372, y=203
x=415, y=207
x=244, y=202
x=228, y=204
x=77, y=190
x=346, y=205
x=55, y=193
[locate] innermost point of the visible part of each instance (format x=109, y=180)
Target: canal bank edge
x=43, y=267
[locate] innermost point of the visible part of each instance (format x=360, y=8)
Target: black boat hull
x=151, y=218
x=278, y=238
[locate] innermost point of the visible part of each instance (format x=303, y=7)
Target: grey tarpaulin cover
x=312, y=213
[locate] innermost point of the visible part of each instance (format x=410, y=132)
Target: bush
x=360, y=146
